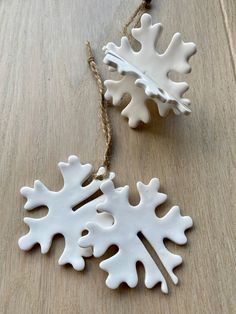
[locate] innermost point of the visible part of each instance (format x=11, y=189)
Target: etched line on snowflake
x=129, y=220
x=152, y=253
x=61, y=219
x=91, y=198
x=147, y=72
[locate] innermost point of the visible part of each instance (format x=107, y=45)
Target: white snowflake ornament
x=61, y=219
x=147, y=73
x=130, y=220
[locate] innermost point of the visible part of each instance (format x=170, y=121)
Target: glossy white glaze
x=129, y=220
x=61, y=219
x=147, y=72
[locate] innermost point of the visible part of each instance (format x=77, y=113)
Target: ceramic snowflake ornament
x=128, y=222
x=146, y=73
x=61, y=219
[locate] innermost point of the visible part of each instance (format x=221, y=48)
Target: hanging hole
x=84, y=232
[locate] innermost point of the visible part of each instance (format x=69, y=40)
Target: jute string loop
x=103, y=112
x=135, y=17
x=103, y=104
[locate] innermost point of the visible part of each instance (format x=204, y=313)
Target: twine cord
x=135, y=17
x=103, y=112
x=103, y=104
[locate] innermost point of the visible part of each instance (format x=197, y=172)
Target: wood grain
x=48, y=103
x=228, y=8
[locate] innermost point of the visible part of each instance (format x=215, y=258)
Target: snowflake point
x=27, y=220
x=78, y=264
x=155, y=182
x=73, y=159
x=45, y=248
x=97, y=252
x=22, y=244
x=23, y=190
x=107, y=187
x=109, y=281
x=189, y=223
x=164, y=288
x=132, y=281
x=124, y=191
x=146, y=20
x=174, y=278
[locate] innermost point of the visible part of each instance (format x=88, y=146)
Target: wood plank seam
x=228, y=36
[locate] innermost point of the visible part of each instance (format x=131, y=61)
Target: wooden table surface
x=49, y=110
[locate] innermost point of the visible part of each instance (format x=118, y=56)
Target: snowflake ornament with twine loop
x=129, y=220
x=146, y=73
x=61, y=218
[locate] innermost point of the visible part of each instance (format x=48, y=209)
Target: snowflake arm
x=148, y=194
x=147, y=35
x=136, y=109
x=177, y=55
x=36, y=226
x=74, y=175
x=172, y=226
x=129, y=220
x=37, y=196
x=61, y=219
x=73, y=172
